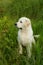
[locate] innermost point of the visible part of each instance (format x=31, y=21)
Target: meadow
x=10, y=12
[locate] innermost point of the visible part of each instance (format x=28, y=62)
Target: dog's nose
x=15, y=24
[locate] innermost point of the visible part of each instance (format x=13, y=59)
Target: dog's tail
x=36, y=36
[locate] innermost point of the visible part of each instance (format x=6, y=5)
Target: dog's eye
x=20, y=21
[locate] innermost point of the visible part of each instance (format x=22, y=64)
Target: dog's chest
x=24, y=37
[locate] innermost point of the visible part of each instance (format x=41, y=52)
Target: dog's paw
x=20, y=52
x=29, y=55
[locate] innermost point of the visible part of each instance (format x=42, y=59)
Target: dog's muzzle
x=17, y=27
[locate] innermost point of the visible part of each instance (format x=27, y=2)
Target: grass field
x=10, y=12
x=9, y=46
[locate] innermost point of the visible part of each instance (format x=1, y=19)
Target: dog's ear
x=27, y=23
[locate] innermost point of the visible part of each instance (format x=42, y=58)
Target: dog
x=25, y=35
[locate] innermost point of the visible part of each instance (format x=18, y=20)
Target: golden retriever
x=25, y=35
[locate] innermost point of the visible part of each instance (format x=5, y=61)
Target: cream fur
x=25, y=35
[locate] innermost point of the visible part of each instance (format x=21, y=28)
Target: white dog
x=25, y=35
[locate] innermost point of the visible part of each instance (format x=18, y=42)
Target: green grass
x=10, y=12
x=9, y=46
x=18, y=8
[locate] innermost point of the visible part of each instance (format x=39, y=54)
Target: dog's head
x=23, y=23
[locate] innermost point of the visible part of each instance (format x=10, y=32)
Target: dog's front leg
x=20, y=48
x=29, y=49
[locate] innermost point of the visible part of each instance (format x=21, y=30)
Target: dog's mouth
x=20, y=28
